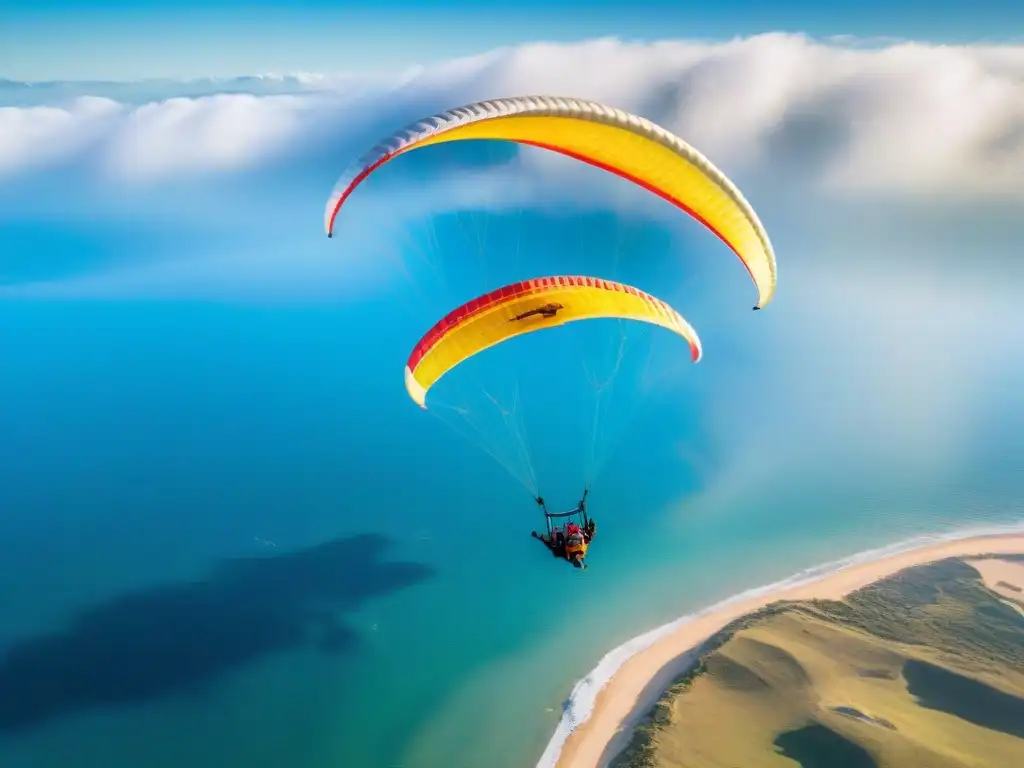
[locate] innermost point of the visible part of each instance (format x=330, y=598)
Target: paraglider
x=525, y=307
x=573, y=540
x=621, y=143
x=485, y=322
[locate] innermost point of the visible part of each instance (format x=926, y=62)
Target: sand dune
x=642, y=679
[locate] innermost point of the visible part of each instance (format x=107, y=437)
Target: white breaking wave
x=580, y=704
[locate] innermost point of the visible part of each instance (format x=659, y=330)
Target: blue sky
x=57, y=40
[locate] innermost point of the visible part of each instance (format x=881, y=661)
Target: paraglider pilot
x=572, y=541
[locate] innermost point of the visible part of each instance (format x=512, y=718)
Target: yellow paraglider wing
x=527, y=306
x=616, y=141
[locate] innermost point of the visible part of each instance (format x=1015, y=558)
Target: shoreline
x=605, y=706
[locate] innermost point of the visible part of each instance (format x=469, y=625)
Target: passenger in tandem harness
x=572, y=540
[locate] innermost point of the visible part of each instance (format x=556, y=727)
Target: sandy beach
x=641, y=680
x=1002, y=577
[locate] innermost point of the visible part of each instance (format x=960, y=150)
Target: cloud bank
x=907, y=118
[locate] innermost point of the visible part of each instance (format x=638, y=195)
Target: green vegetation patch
x=943, y=606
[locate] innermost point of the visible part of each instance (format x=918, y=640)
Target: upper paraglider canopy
x=527, y=306
x=616, y=141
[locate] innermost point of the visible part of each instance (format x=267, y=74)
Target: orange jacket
x=575, y=544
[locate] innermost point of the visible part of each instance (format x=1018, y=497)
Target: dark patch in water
x=1009, y=586
x=858, y=715
x=816, y=746
x=939, y=689
x=166, y=640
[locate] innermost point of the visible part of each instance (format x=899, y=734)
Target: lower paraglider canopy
x=527, y=306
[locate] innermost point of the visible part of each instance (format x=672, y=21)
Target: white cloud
x=224, y=132
x=39, y=136
x=903, y=117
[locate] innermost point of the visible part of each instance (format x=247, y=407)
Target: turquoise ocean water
x=228, y=538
